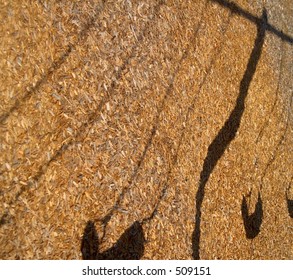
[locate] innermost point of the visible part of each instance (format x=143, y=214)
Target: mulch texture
x=146, y=129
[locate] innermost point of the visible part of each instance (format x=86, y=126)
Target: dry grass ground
x=164, y=127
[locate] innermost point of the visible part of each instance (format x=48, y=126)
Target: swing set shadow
x=227, y=133
x=131, y=243
x=133, y=237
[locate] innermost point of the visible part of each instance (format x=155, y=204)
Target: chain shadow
x=154, y=129
x=130, y=245
x=91, y=120
x=149, y=142
x=55, y=64
x=227, y=132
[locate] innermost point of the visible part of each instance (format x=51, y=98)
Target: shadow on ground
x=290, y=206
x=253, y=221
x=130, y=245
x=228, y=132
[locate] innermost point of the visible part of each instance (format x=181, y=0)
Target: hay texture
x=146, y=129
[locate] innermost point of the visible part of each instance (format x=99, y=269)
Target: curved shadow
x=130, y=245
x=228, y=132
x=253, y=221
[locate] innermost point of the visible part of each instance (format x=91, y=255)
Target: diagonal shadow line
x=234, y=8
x=107, y=217
x=55, y=64
x=117, y=253
x=228, y=132
x=86, y=126
x=105, y=220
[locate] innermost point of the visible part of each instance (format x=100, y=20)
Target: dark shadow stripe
x=227, y=132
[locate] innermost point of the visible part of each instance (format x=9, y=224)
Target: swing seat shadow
x=130, y=245
x=290, y=206
x=253, y=221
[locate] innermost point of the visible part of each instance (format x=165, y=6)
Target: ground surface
x=164, y=127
